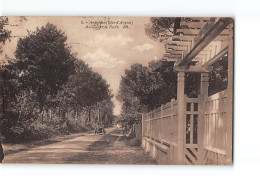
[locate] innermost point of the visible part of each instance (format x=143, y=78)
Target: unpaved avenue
x=86, y=149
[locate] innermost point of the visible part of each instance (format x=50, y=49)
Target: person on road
x=1, y=152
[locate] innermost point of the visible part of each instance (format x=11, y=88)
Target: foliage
x=87, y=87
x=44, y=62
x=218, y=78
x=168, y=88
x=160, y=28
x=141, y=89
x=85, y=90
x=147, y=88
x=4, y=33
x=192, y=84
x=48, y=91
x=139, y=82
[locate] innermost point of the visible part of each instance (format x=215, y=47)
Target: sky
x=109, y=45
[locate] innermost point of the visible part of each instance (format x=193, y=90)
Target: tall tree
x=4, y=33
x=44, y=62
x=84, y=89
x=168, y=88
x=142, y=83
x=161, y=28
x=146, y=88
x=139, y=90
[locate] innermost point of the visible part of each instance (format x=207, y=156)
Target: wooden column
x=229, y=107
x=204, y=84
x=181, y=118
x=201, y=118
x=1, y=97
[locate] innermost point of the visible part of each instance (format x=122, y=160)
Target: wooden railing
x=215, y=131
x=159, y=125
x=160, y=129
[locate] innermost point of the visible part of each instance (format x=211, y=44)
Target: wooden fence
x=204, y=131
x=160, y=131
x=216, y=129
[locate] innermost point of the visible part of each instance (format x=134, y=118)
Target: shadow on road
x=112, y=149
x=15, y=148
x=106, y=141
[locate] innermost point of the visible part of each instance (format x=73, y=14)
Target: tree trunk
x=42, y=112
x=89, y=113
x=76, y=118
x=98, y=114
x=50, y=115
x=59, y=112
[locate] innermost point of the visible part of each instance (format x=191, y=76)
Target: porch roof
x=204, y=40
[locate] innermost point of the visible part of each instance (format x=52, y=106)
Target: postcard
x=116, y=90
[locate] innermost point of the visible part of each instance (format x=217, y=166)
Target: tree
x=161, y=28
x=138, y=91
x=4, y=33
x=106, y=113
x=168, y=88
x=147, y=88
x=9, y=89
x=44, y=62
x=218, y=78
x=141, y=82
x=83, y=91
x=46, y=81
x=18, y=106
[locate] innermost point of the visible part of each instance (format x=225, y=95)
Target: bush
x=27, y=131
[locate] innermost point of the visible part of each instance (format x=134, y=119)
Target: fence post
x=201, y=119
x=230, y=94
x=142, y=137
x=181, y=118
x=161, y=124
x=172, y=147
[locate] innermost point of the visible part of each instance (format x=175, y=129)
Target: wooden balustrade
x=160, y=130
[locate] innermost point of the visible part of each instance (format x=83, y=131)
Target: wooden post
x=172, y=147
x=201, y=119
x=181, y=118
x=161, y=128
x=204, y=84
x=230, y=95
x=1, y=97
x=151, y=129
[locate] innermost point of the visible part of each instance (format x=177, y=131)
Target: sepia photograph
x=116, y=90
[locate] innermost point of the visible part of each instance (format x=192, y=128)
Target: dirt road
x=85, y=149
